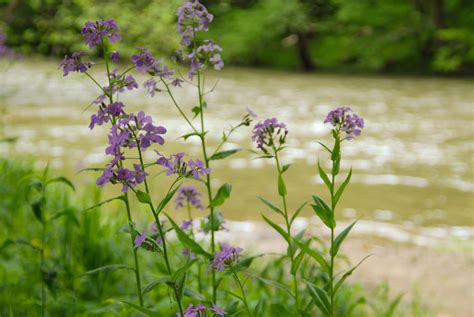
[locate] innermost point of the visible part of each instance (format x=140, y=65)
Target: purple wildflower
x=144, y=60
x=139, y=239
x=200, y=310
x=177, y=165
x=74, y=63
x=225, y=257
x=95, y=32
x=217, y=310
x=190, y=195
x=187, y=224
x=115, y=56
x=265, y=131
x=192, y=17
x=343, y=120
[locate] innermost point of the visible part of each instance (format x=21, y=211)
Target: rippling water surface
x=412, y=165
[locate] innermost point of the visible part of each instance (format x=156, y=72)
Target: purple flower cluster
x=200, y=311
x=177, y=165
x=74, y=63
x=142, y=238
x=95, y=32
x=225, y=257
x=344, y=119
x=105, y=113
x=145, y=62
x=128, y=131
x=265, y=132
x=194, y=17
x=119, y=83
x=189, y=195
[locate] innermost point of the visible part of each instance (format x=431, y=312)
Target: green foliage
x=349, y=35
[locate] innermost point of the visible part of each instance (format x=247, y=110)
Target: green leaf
x=320, y=297
x=281, y=186
x=187, y=241
x=258, y=310
x=324, y=146
x=340, y=238
x=222, y=194
x=274, y=284
x=61, y=179
x=314, y=254
x=347, y=274
x=166, y=200
x=143, y=197
x=394, y=305
x=121, y=197
x=271, y=205
x=182, y=270
x=297, y=212
x=189, y=292
x=323, y=211
x=336, y=151
x=223, y=154
x=144, y=310
x=38, y=211
x=196, y=110
x=106, y=268
x=278, y=229
x=296, y=262
x=324, y=177
x=285, y=168
x=336, y=166
x=187, y=136
x=152, y=285
x=243, y=263
x=342, y=187
x=218, y=221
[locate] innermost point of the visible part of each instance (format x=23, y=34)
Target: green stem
x=331, y=267
x=127, y=204
x=179, y=108
x=288, y=230
x=208, y=182
x=43, y=290
x=241, y=286
x=160, y=228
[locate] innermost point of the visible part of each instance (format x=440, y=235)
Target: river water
x=412, y=166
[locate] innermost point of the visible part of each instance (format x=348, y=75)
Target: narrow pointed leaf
x=143, y=197
x=285, y=168
x=347, y=274
x=296, y=262
x=318, y=298
x=164, y=202
x=342, y=187
x=323, y=211
x=61, y=179
x=187, y=241
x=106, y=268
x=297, y=212
x=340, y=238
x=223, y=154
x=121, y=197
x=182, y=270
x=271, y=205
x=324, y=176
x=278, y=229
x=222, y=194
x=152, y=285
x=144, y=310
x=314, y=254
x=281, y=186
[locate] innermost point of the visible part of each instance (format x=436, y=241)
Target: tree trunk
x=303, y=51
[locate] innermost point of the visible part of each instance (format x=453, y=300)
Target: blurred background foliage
x=416, y=36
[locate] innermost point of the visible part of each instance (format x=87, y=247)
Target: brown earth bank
x=439, y=271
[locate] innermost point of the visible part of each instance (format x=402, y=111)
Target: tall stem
x=288, y=230
x=43, y=290
x=241, y=286
x=125, y=195
x=160, y=229
x=208, y=181
x=331, y=267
